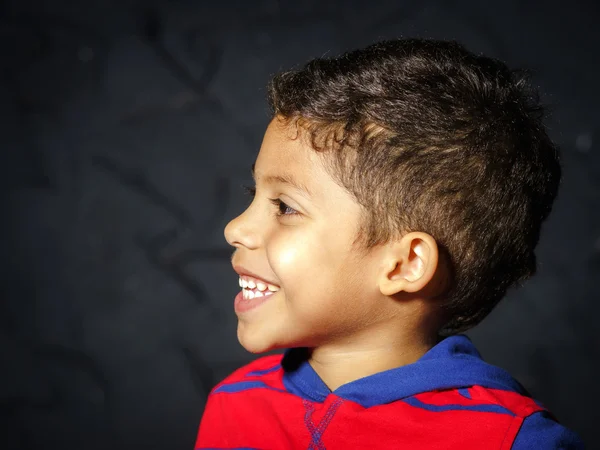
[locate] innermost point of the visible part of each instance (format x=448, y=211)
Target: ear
x=410, y=264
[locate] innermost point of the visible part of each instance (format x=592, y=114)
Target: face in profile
x=304, y=283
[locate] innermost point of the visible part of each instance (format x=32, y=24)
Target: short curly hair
x=430, y=137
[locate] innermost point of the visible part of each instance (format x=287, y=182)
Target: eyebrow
x=284, y=179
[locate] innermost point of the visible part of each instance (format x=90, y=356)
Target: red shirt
x=449, y=399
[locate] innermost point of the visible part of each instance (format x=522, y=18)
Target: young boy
x=400, y=191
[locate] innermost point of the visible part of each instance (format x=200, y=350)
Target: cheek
x=311, y=271
x=289, y=255
x=284, y=257
x=300, y=258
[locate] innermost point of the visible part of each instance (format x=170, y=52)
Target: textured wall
x=128, y=127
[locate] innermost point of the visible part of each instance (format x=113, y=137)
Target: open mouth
x=254, y=288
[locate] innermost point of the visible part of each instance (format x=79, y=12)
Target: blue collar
x=453, y=363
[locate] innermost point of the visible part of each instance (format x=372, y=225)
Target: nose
x=240, y=232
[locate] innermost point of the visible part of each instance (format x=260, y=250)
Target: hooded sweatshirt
x=448, y=399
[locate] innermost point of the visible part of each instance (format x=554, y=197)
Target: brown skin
x=359, y=311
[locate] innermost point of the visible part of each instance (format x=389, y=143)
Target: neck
x=337, y=365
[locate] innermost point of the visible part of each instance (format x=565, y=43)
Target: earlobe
x=411, y=266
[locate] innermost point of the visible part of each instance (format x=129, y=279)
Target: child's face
x=327, y=290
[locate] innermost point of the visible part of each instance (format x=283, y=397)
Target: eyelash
x=251, y=191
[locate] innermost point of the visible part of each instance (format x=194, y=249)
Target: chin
x=259, y=342
x=252, y=343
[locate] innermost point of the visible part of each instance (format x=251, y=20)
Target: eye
x=282, y=208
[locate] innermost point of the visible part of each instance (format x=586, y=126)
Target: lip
x=242, y=306
x=240, y=270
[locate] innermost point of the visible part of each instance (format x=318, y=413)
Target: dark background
x=127, y=129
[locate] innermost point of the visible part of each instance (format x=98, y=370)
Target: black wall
x=127, y=128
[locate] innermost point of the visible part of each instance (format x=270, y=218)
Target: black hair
x=430, y=137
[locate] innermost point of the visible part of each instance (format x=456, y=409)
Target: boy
x=400, y=191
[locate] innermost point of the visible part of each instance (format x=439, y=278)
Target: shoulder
x=518, y=421
x=541, y=431
x=260, y=370
x=537, y=428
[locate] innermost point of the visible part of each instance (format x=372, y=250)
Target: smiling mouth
x=254, y=293
x=254, y=288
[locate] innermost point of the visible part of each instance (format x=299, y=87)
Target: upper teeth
x=247, y=282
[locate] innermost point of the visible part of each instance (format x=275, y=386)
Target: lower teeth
x=250, y=294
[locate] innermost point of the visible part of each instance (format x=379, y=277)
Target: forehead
x=284, y=147
x=285, y=153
